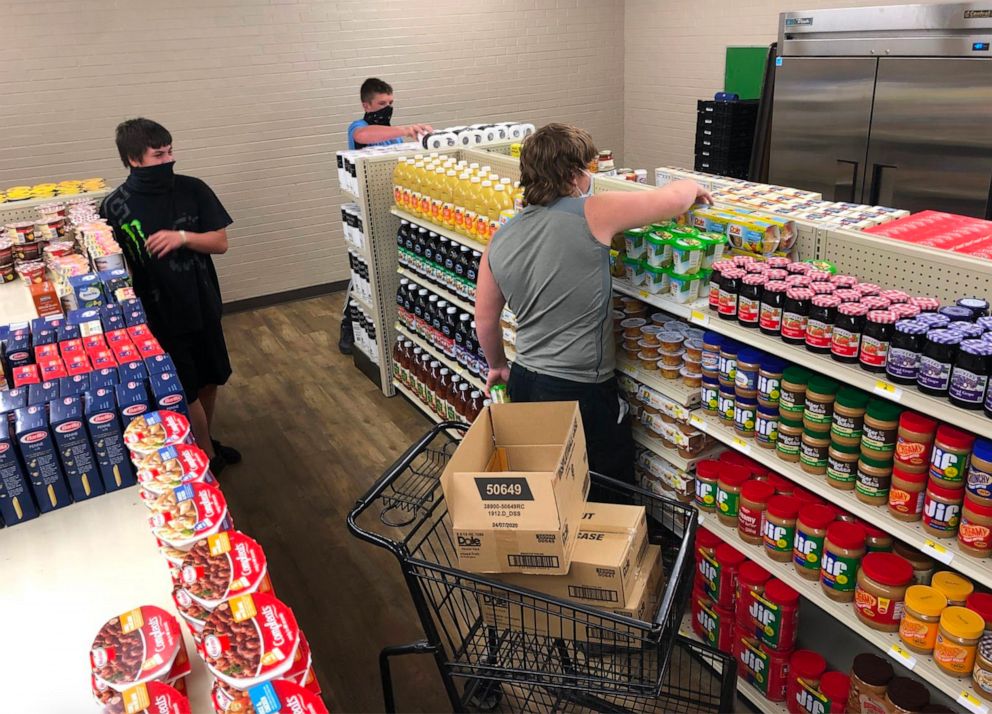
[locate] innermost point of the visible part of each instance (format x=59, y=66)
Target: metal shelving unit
x=413, y=399
x=443, y=359
x=440, y=230
x=423, y=282
x=654, y=444
x=945, y=551
x=365, y=305
x=671, y=388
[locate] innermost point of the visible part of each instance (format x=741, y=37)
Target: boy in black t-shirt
x=168, y=227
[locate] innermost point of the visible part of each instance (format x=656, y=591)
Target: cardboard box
x=132, y=371
x=46, y=300
x=44, y=336
x=16, y=502
x=17, y=348
x=101, y=359
x=516, y=487
x=69, y=331
x=167, y=393
x=112, y=323
x=107, y=437
x=114, y=279
x=77, y=364
x=41, y=459
x=52, y=368
x=111, y=308
x=86, y=291
x=78, y=461
x=10, y=401
x=46, y=351
x=610, y=546
x=25, y=374
x=149, y=347
x=49, y=322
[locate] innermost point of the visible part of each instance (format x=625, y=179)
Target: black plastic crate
x=723, y=168
x=736, y=154
x=746, y=108
x=721, y=142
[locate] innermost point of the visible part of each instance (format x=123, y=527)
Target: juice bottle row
x=443, y=262
x=462, y=197
x=446, y=394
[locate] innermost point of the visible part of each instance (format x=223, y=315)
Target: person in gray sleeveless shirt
x=551, y=264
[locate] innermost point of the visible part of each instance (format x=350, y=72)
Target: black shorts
x=200, y=357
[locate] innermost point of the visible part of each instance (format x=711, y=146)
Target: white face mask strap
x=588, y=191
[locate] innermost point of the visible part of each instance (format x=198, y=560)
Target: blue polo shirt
x=358, y=124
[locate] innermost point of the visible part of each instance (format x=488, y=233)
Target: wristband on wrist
x=182, y=234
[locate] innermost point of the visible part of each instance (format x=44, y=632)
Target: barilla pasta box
x=16, y=502
x=132, y=399
x=113, y=280
x=134, y=312
x=70, y=331
x=159, y=363
x=112, y=322
x=125, y=352
x=52, y=368
x=67, y=348
x=42, y=393
x=111, y=308
x=44, y=336
x=149, y=347
x=167, y=393
x=115, y=337
x=41, y=459
x=102, y=359
x=78, y=364
x=46, y=351
x=25, y=374
x=139, y=332
x=94, y=342
x=82, y=315
x=50, y=322
x=75, y=450
x=75, y=385
x=103, y=378
x=132, y=371
x=10, y=401
x=86, y=290
x=107, y=437
x=17, y=349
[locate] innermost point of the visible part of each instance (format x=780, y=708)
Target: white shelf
x=443, y=359
x=365, y=304
x=405, y=391
x=873, y=383
x=655, y=444
x=450, y=235
x=943, y=550
x=888, y=642
x=354, y=197
x=749, y=692
x=66, y=198
x=674, y=389
x=425, y=283
x=56, y=566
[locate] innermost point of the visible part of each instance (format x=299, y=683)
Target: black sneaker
x=230, y=455
x=346, y=344
x=217, y=464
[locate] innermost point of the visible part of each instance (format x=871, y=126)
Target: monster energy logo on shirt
x=134, y=232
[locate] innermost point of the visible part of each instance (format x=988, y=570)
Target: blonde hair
x=550, y=159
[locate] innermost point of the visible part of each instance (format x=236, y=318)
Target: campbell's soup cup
x=135, y=647
x=250, y=639
x=150, y=698
x=223, y=566
x=150, y=432
x=282, y=696
x=193, y=614
x=172, y=466
x=187, y=514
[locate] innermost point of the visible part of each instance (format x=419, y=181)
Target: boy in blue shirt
x=373, y=129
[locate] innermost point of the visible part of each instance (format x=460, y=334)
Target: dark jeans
x=609, y=445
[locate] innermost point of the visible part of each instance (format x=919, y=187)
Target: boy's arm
x=374, y=134
x=489, y=302
x=161, y=243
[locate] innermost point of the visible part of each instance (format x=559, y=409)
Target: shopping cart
x=503, y=648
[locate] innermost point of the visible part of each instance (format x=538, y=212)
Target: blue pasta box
x=41, y=459
x=132, y=371
x=10, y=401
x=160, y=363
x=111, y=309
x=112, y=322
x=17, y=349
x=107, y=378
x=132, y=399
x=134, y=316
x=75, y=450
x=42, y=393
x=107, y=437
x=84, y=316
x=16, y=502
x=115, y=279
x=86, y=290
x=167, y=393
x=68, y=332
x=45, y=336
x=51, y=322
x=76, y=385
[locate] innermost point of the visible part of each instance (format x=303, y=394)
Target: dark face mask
x=380, y=117
x=159, y=178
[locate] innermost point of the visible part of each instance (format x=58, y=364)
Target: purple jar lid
x=911, y=327
x=968, y=330
x=977, y=347
x=974, y=303
x=956, y=313
x=985, y=322
x=933, y=320
x=944, y=337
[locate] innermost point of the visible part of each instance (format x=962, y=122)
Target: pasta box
x=125, y=352
x=112, y=322
x=70, y=331
x=67, y=348
x=132, y=399
x=111, y=308
x=107, y=437
x=25, y=374
x=74, y=386
x=41, y=458
x=160, y=363
x=149, y=347
x=115, y=337
x=12, y=400
x=134, y=313
x=86, y=290
x=139, y=332
x=132, y=371
x=52, y=368
x=49, y=322
x=16, y=502
x=45, y=351
x=43, y=336
x=115, y=279
x=107, y=378
x=17, y=348
x=102, y=359
x=167, y=392
x=88, y=318
x=94, y=342
x=42, y=393
x=78, y=364
x=75, y=450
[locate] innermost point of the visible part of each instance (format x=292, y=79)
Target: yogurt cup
x=135, y=647
x=687, y=255
x=659, y=250
x=635, y=242
x=259, y=620
x=656, y=280
x=189, y=514
x=714, y=245
x=684, y=288
x=172, y=466
x=633, y=270
x=223, y=566
x=150, y=432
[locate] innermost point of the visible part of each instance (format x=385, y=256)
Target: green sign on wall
x=744, y=71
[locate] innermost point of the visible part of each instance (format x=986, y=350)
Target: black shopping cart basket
x=505, y=648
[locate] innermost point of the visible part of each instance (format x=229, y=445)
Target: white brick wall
x=675, y=55
x=258, y=95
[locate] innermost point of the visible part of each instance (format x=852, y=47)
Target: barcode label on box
x=598, y=594
x=533, y=561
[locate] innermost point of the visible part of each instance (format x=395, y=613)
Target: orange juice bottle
x=448, y=207
x=439, y=195
x=409, y=177
x=416, y=188
x=427, y=191
x=503, y=209
x=460, y=198
x=518, y=197
x=482, y=214
x=398, y=182
x=473, y=168
x=472, y=205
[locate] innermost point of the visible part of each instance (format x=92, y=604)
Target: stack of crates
x=724, y=135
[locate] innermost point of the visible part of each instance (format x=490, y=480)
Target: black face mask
x=380, y=117
x=159, y=178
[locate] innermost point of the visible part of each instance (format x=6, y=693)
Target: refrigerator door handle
x=875, y=197
x=844, y=187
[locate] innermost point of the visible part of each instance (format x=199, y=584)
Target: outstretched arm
x=616, y=211
x=489, y=302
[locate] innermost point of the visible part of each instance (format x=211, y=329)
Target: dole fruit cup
x=138, y=646
x=188, y=514
x=150, y=432
x=223, y=566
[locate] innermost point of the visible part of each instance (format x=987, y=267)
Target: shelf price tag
x=644, y=294
x=741, y=445
x=888, y=390
x=699, y=317
x=903, y=656
x=697, y=421
x=937, y=551
x=972, y=703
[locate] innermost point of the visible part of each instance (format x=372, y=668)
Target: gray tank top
x=555, y=277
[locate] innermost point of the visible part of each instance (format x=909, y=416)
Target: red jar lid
x=835, y=686
x=753, y=574
x=806, y=497
x=897, y=472
x=799, y=294
x=867, y=288
x=873, y=531
x=982, y=604
x=875, y=302
x=783, y=506
x=941, y=491
x=954, y=438
x=817, y=515
x=739, y=459
x=707, y=539
x=777, y=274
x=743, y=259
x=757, y=491
x=849, y=536
x=894, y=295
x=801, y=268
x=818, y=275
x=852, y=308
x=776, y=286
x=756, y=267
x=754, y=278
x=778, y=261
x=917, y=422
x=905, y=310
x=733, y=273
x=884, y=317
x=823, y=288
x=708, y=469
x=826, y=301
x=807, y=664
x=844, y=280
x=726, y=555
x=779, y=593
x=887, y=569
x=733, y=475
x=782, y=486
x=977, y=508
x=798, y=280
x=930, y=304
x=848, y=295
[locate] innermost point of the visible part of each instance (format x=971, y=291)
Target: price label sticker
x=698, y=317
x=972, y=703
x=903, y=656
x=697, y=421
x=741, y=445
x=888, y=390
x=937, y=551
x=644, y=294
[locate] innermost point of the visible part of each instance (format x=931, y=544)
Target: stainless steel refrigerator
x=887, y=105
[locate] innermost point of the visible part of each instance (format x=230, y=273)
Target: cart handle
x=391, y=474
